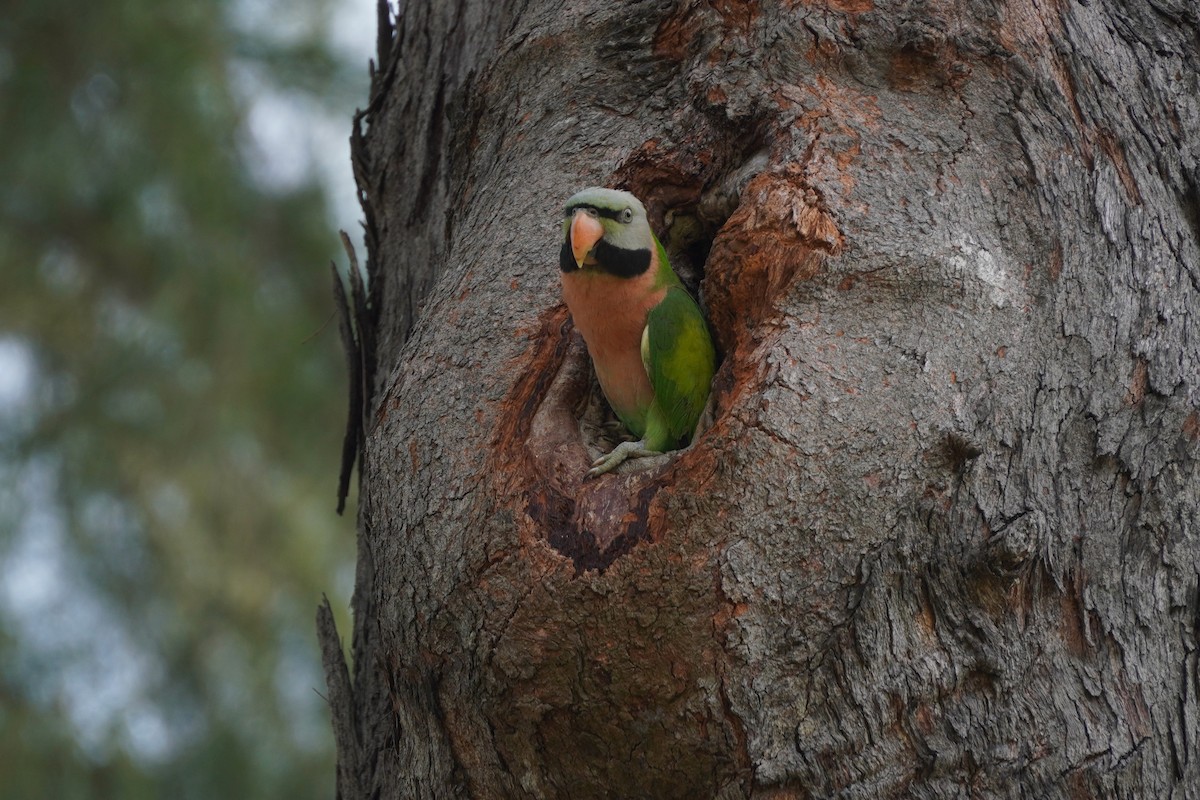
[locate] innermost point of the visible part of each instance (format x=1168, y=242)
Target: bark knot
x=780, y=233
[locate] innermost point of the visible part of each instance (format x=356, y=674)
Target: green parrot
x=645, y=334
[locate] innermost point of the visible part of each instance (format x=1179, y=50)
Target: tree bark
x=941, y=538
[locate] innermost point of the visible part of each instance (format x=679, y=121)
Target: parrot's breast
x=610, y=312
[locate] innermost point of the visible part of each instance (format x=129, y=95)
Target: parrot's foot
x=624, y=450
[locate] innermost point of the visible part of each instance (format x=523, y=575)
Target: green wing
x=678, y=354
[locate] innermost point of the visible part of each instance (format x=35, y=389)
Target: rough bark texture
x=942, y=537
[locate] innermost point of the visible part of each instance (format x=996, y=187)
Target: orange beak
x=586, y=230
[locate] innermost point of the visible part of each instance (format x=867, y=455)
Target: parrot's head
x=606, y=229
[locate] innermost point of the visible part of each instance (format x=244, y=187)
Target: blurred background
x=172, y=392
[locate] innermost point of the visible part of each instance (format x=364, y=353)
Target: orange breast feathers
x=610, y=313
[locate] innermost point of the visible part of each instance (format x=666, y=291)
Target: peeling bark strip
x=356, y=329
x=942, y=538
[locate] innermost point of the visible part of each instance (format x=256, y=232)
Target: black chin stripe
x=566, y=258
x=619, y=261
x=607, y=213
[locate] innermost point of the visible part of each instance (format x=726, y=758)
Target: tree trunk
x=941, y=538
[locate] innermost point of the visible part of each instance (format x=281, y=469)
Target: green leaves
x=182, y=397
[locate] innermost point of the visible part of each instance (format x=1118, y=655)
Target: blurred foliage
x=169, y=449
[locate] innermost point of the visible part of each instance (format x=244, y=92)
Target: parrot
x=647, y=339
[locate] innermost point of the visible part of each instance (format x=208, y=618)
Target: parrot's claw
x=624, y=450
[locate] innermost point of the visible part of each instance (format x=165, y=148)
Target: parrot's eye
x=627, y=215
